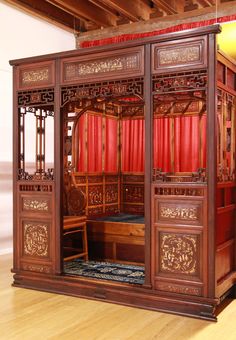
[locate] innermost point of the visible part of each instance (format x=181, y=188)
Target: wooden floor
x=32, y=315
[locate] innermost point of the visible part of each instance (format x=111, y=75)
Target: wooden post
x=211, y=161
x=148, y=100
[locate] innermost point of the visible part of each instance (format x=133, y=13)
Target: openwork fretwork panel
x=226, y=136
x=104, y=89
x=36, y=134
x=36, y=97
x=179, y=82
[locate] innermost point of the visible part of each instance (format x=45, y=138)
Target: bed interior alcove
x=104, y=181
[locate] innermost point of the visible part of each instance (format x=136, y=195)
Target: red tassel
x=177, y=28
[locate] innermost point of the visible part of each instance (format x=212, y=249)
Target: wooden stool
x=74, y=225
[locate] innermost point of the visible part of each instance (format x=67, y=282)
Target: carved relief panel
x=190, y=53
x=180, y=212
x=36, y=75
x=116, y=64
x=179, y=239
x=35, y=204
x=179, y=253
x=36, y=239
x=36, y=228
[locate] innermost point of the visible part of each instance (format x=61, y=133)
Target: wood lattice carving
x=106, y=89
x=36, y=97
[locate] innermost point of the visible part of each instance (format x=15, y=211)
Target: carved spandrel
x=179, y=253
x=36, y=239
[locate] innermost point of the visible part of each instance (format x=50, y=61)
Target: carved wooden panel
x=35, y=187
x=178, y=191
x=36, y=75
x=112, y=209
x=187, y=53
x=133, y=193
x=36, y=97
x=179, y=212
x=111, y=193
x=179, y=253
x=35, y=204
x=36, y=238
x=39, y=268
x=114, y=65
x=178, y=288
x=95, y=211
x=95, y=195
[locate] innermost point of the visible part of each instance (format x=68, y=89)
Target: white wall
x=20, y=36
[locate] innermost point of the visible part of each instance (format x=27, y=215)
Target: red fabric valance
x=176, y=28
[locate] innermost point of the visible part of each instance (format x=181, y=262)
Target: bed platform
x=118, y=238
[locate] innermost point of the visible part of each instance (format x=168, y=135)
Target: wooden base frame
x=185, y=243
x=202, y=308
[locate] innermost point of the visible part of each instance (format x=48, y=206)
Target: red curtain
x=111, y=145
x=162, y=144
x=94, y=143
x=81, y=144
x=189, y=132
x=89, y=142
x=132, y=145
x=186, y=143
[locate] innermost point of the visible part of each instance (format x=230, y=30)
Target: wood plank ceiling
x=86, y=15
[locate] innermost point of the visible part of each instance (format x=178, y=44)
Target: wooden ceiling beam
x=86, y=10
x=205, y=3
x=179, y=6
x=166, y=7
x=104, y=7
x=133, y=10
x=45, y=11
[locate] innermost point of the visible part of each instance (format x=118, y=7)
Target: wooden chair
x=74, y=223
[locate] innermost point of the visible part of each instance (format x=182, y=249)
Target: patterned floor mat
x=106, y=271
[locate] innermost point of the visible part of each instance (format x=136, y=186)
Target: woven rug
x=106, y=271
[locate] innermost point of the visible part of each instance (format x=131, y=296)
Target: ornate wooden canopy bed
x=143, y=174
